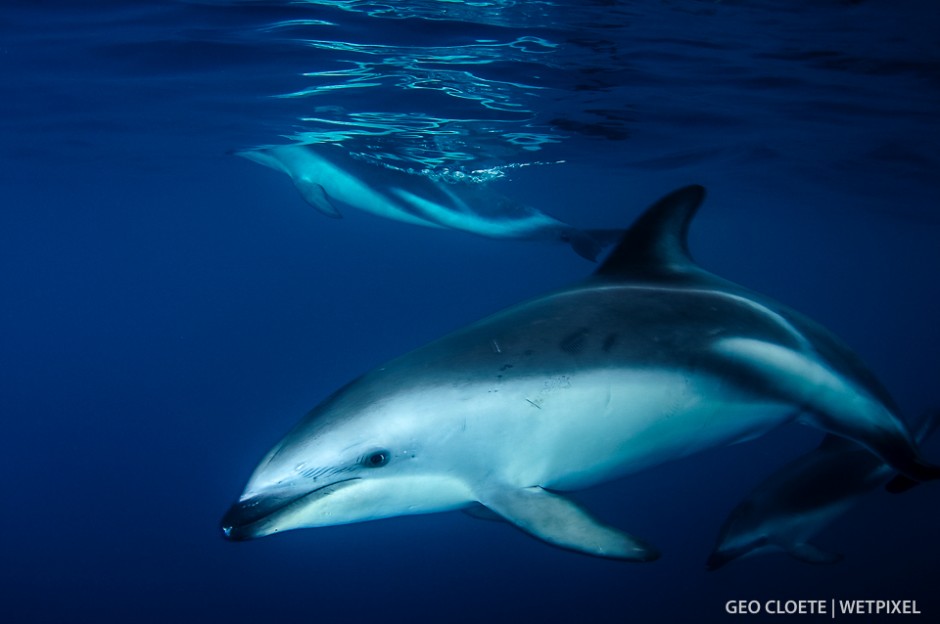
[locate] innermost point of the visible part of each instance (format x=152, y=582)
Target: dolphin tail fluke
x=904, y=456
x=590, y=243
x=923, y=429
x=926, y=425
x=885, y=437
x=560, y=522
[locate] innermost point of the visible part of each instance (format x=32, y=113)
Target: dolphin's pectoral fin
x=829, y=401
x=560, y=522
x=316, y=196
x=482, y=512
x=923, y=429
x=813, y=554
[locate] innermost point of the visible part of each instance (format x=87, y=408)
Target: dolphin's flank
x=650, y=359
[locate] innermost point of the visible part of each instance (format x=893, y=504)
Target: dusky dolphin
x=328, y=178
x=650, y=359
x=796, y=503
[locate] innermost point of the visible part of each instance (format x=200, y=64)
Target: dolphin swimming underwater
x=328, y=178
x=650, y=359
x=797, y=502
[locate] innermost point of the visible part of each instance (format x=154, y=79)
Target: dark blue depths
x=170, y=310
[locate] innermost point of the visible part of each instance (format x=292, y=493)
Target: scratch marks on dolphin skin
x=496, y=348
x=561, y=382
x=550, y=386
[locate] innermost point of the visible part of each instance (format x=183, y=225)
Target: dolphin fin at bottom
x=813, y=554
x=482, y=512
x=560, y=522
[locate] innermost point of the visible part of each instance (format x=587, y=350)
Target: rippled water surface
x=171, y=310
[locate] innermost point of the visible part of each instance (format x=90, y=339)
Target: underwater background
x=169, y=311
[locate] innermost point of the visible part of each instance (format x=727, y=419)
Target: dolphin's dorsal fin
x=655, y=245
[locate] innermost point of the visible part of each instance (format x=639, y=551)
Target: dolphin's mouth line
x=320, y=489
x=244, y=516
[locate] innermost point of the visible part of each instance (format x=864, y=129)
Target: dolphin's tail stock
x=923, y=429
x=589, y=243
x=927, y=425
x=914, y=468
x=889, y=440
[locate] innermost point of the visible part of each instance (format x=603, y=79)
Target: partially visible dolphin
x=796, y=503
x=328, y=179
x=649, y=360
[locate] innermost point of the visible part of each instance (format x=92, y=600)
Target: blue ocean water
x=170, y=310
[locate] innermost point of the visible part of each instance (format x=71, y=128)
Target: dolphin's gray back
x=604, y=324
x=597, y=326
x=647, y=306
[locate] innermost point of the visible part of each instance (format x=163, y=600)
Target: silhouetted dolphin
x=793, y=505
x=649, y=360
x=328, y=178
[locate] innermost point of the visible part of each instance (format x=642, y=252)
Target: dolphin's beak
x=257, y=516
x=249, y=517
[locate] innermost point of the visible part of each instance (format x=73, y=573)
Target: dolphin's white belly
x=571, y=431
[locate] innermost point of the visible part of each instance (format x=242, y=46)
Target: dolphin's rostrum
x=650, y=359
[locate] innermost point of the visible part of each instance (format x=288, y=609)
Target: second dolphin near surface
x=330, y=179
x=649, y=360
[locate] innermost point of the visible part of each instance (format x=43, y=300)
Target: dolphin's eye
x=376, y=459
